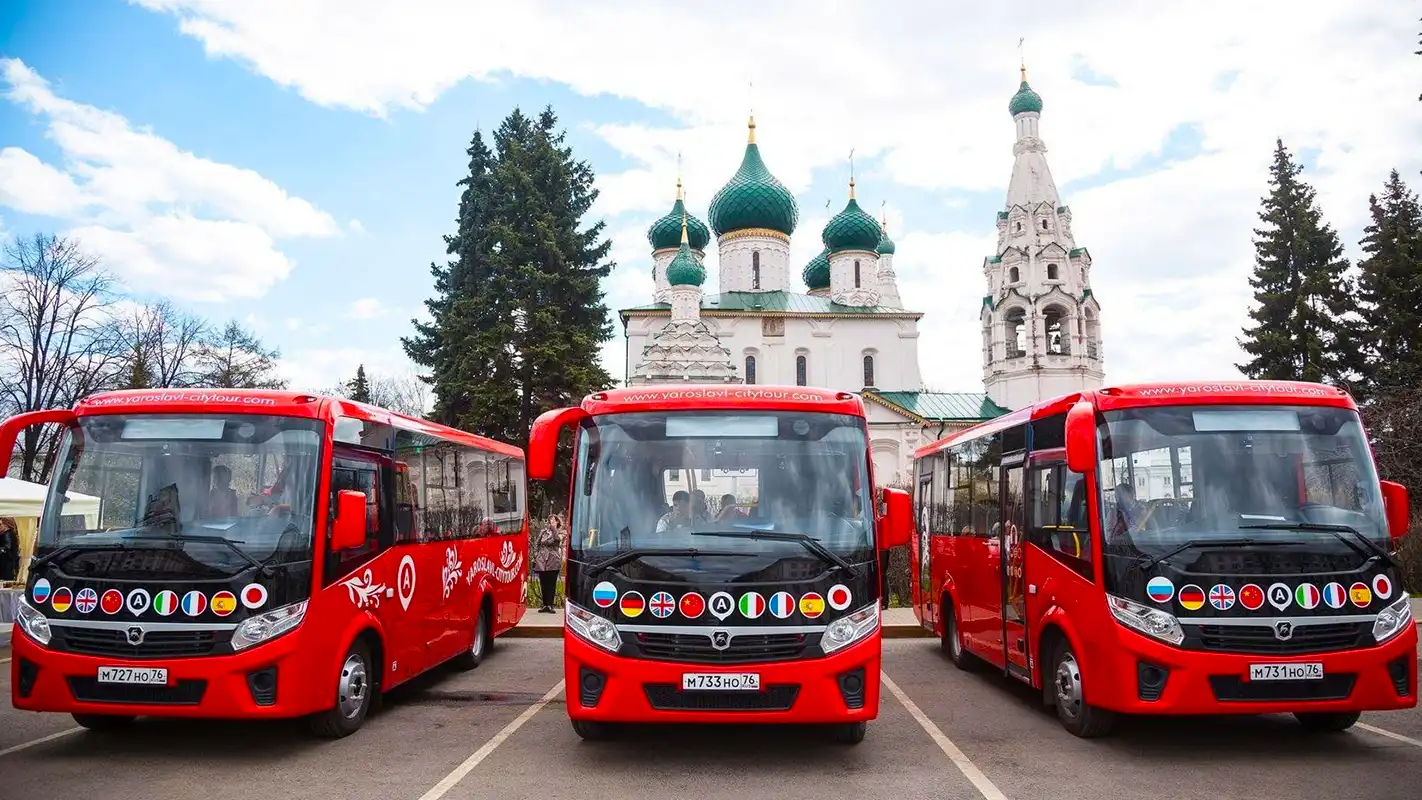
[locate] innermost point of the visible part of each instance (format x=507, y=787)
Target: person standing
x=9, y=549
x=548, y=560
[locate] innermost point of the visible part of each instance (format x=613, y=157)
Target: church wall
x=737, y=259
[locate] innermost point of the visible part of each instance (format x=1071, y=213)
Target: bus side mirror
x=10, y=430
x=1081, y=438
x=896, y=526
x=543, y=439
x=1395, y=502
x=348, y=531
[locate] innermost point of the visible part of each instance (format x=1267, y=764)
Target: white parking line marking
x=479, y=755
x=1378, y=731
x=970, y=770
x=17, y=748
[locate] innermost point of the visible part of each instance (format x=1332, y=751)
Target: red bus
x=723, y=561
x=260, y=554
x=1185, y=548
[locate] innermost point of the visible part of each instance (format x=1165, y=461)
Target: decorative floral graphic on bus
x=364, y=591
x=510, y=561
x=453, y=568
x=506, y=555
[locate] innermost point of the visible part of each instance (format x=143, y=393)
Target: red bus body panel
x=965, y=571
x=437, y=625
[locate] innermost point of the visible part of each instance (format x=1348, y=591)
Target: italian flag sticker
x=752, y=605
x=166, y=602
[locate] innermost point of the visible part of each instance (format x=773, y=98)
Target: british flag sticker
x=661, y=605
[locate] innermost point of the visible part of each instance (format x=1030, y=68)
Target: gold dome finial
x=884, y=216
x=1022, y=58
x=851, y=173
x=678, y=177
x=750, y=138
x=683, y=228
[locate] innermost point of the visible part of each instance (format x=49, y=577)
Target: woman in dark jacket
x=548, y=560
x=9, y=549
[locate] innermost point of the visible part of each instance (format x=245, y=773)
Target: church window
x=1051, y=272
x=1016, y=324
x=1044, y=224
x=755, y=269
x=868, y=371
x=1013, y=275
x=1057, y=331
x=856, y=273
x=750, y=369
x=801, y=378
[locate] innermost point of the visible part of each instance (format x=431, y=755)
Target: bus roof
x=1137, y=395
x=691, y=397
x=274, y=402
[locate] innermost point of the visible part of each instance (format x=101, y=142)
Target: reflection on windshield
x=656, y=481
x=1192, y=473
x=137, y=480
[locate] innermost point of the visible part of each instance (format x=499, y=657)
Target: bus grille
x=184, y=693
x=156, y=644
x=696, y=647
x=1261, y=639
x=1233, y=688
x=669, y=697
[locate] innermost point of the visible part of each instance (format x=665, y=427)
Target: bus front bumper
x=1139, y=675
x=843, y=687
x=269, y=680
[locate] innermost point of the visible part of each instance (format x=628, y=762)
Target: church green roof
x=886, y=245
x=944, y=406
x=775, y=303
x=852, y=229
x=666, y=232
x=683, y=269
x=753, y=198
x=817, y=272
x=1025, y=100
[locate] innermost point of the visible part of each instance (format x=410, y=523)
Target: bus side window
x=1058, y=522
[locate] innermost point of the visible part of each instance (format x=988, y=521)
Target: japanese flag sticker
x=254, y=595
x=839, y=597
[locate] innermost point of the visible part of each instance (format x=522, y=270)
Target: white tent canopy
x=23, y=502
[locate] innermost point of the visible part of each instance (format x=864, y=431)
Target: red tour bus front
x=723, y=557
x=1181, y=548
x=260, y=554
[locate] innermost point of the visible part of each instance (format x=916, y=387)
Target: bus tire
x=1077, y=716
x=848, y=732
x=103, y=722
x=952, y=641
x=354, y=690
x=1327, y=721
x=592, y=731
x=479, y=647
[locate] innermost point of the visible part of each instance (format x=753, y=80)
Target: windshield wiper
x=809, y=542
x=1336, y=530
x=191, y=537
x=39, y=562
x=638, y=552
x=1150, y=561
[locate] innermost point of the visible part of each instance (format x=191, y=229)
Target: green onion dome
x=886, y=245
x=666, y=232
x=1025, y=100
x=753, y=198
x=683, y=269
x=852, y=228
x=817, y=272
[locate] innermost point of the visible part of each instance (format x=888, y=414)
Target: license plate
x=1285, y=672
x=148, y=675
x=721, y=681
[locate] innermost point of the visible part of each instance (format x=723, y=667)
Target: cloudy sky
x=292, y=163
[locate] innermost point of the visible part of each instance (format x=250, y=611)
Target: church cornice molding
x=764, y=233
x=894, y=407
x=653, y=313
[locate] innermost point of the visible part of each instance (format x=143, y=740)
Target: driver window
x=360, y=472
x=1058, y=517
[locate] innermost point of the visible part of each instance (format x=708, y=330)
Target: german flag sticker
x=1192, y=597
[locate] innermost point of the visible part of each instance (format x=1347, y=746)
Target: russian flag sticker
x=40, y=592
x=782, y=605
x=1160, y=589
x=1382, y=586
x=839, y=597
x=1334, y=595
x=604, y=594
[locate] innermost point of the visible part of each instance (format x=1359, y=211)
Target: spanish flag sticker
x=224, y=603
x=812, y=605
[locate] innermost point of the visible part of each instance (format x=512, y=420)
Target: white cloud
x=367, y=308
x=355, y=226
x=319, y=369
x=163, y=218
x=928, y=99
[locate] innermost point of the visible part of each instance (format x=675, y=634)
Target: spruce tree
x=359, y=387
x=1390, y=291
x=518, y=315
x=1305, y=320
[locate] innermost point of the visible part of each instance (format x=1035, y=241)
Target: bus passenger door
x=924, y=591
x=1013, y=571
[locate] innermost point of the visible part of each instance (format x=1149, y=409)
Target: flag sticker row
x=139, y=601
x=1281, y=596
x=750, y=605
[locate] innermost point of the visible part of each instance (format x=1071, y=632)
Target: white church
x=846, y=327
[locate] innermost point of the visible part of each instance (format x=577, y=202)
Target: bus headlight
x=1152, y=622
x=32, y=622
x=258, y=629
x=598, y=630
x=1393, y=619
x=849, y=629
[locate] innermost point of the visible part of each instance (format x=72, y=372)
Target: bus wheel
x=953, y=641
x=103, y=722
x=474, y=656
x=1077, y=716
x=1327, y=721
x=848, y=732
x=353, y=696
x=592, y=731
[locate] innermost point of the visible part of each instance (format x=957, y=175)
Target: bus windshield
x=1236, y=475
x=710, y=481
x=226, y=492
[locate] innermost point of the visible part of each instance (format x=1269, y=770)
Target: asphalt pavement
x=501, y=731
